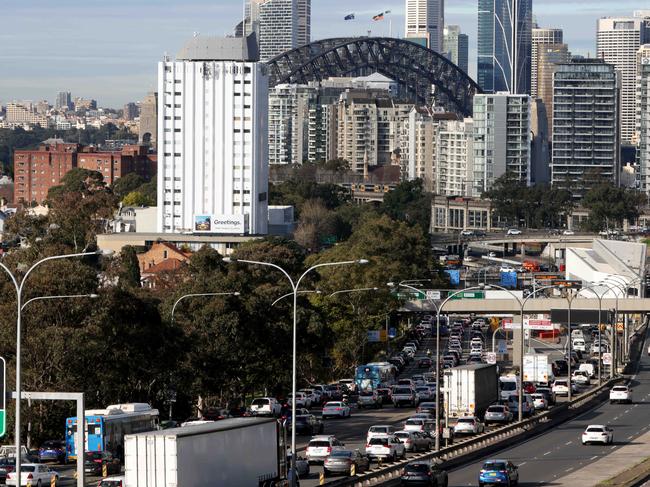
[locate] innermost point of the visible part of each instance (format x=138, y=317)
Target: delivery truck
x=470, y=389
x=238, y=452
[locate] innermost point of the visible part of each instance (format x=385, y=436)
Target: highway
x=558, y=452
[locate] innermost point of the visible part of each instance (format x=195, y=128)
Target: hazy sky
x=108, y=50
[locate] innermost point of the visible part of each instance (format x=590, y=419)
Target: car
x=308, y=424
x=335, y=392
x=380, y=430
x=560, y=387
x=369, y=399
x=7, y=465
x=424, y=362
x=507, y=387
x=313, y=395
x=568, y=232
x=598, y=433
x=492, y=254
x=528, y=405
x=414, y=441
x=427, y=407
x=335, y=409
x=406, y=382
x=467, y=233
x=620, y=394
x=540, y=401
x=341, y=462
x=562, y=367
x=589, y=368
x=498, y=413
x=581, y=377
x=468, y=425
x=265, y=406
x=403, y=395
x=421, y=424
x=502, y=472
x=548, y=393
x=321, y=389
x=348, y=384
x=422, y=472
x=529, y=387
x=32, y=474
x=302, y=400
x=648, y=349
x=425, y=393
x=52, y=451
x=95, y=461
x=418, y=379
x=319, y=448
x=386, y=447
x=578, y=344
x=117, y=481
x=513, y=231
x=598, y=348
x=506, y=268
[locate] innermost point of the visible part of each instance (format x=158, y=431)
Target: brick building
x=37, y=170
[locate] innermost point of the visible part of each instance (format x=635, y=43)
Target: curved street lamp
x=196, y=295
x=294, y=286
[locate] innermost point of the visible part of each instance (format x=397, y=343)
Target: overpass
x=630, y=305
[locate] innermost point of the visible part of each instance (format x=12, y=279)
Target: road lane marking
x=547, y=453
x=568, y=442
x=569, y=469
x=594, y=457
x=630, y=437
x=613, y=447
x=522, y=463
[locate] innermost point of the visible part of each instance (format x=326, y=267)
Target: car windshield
x=495, y=409
x=302, y=419
x=561, y=383
x=402, y=390
x=466, y=420
x=427, y=405
x=414, y=422
x=333, y=405
x=366, y=393
x=595, y=429
x=494, y=466
x=52, y=444
x=27, y=468
x=620, y=389
x=418, y=467
x=402, y=434
x=508, y=386
x=422, y=389
x=341, y=453
x=260, y=402
x=378, y=429
x=93, y=455
x=319, y=443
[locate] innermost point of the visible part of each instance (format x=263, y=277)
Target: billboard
x=221, y=224
x=531, y=322
x=454, y=276
x=509, y=280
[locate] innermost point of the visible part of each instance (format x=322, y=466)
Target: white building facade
x=642, y=136
x=455, y=157
x=212, y=140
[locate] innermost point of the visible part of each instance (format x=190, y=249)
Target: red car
x=529, y=387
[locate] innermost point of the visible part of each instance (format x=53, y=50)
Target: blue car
x=52, y=451
x=501, y=472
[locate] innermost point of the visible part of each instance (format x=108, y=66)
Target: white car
x=380, y=430
x=560, y=388
x=506, y=268
x=599, y=347
x=320, y=447
x=419, y=424
x=620, y=394
x=302, y=400
x=540, y=401
x=581, y=377
x=265, y=406
x=469, y=425
x=513, y=231
x=597, y=433
x=117, y=481
x=336, y=409
x=386, y=448
x=414, y=441
x=568, y=232
x=578, y=345
x=32, y=474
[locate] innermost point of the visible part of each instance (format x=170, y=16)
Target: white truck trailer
x=239, y=452
x=470, y=389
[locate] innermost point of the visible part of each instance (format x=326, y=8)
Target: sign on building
x=221, y=224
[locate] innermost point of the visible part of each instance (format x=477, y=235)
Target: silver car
x=341, y=461
x=498, y=414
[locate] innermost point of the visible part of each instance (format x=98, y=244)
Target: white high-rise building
x=289, y=123
x=642, y=136
x=455, y=157
x=425, y=22
x=456, y=46
x=540, y=37
x=502, y=139
x=212, y=139
x=279, y=26
x=619, y=40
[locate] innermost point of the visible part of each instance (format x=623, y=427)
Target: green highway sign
x=3, y=397
x=470, y=295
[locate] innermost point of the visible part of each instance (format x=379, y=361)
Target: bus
x=373, y=375
x=105, y=428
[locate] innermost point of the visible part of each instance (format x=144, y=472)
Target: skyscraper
x=619, y=40
x=541, y=37
x=642, y=135
x=63, y=100
x=504, y=45
x=456, y=46
x=212, y=138
x=278, y=31
x=502, y=139
x=425, y=20
x=585, y=132
x=304, y=22
x=548, y=57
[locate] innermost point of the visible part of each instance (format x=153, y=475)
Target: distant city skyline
x=110, y=52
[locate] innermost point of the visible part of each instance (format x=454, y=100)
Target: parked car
x=32, y=474
x=320, y=447
x=620, y=394
x=386, y=448
x=424, y=472
x=334, y=409
x=468, y=425
x=498, y=413
x=414, y=440
x=308, y=424
x=52, y=451
x=502, y=472
x=369, y=399
x=265, y=406
x=95, y=461
x=341, y=461
x=598, y=433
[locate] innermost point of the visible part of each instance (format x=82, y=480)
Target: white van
x=507, y=387
x=579, y=345
x=589, y=368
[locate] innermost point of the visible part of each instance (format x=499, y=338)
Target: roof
x=202, y=429
x=200, y=48
x=164, y=266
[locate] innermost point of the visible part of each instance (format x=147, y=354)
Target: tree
x=316, y=222
x=610, y=205
x=129, y=267
x=78, y=180
x=124, y=185
x=409, y=203
x=137, y=198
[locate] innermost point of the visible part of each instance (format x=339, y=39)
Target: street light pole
x=195, y=295
x=294, y=287
x=39, y=298
x=317, y=291
x=19, y=287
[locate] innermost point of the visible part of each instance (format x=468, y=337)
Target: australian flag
x=349, y=17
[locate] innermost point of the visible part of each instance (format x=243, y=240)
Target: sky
x=109, y=50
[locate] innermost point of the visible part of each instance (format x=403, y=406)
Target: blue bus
x=105, y=428
x=373, y=375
